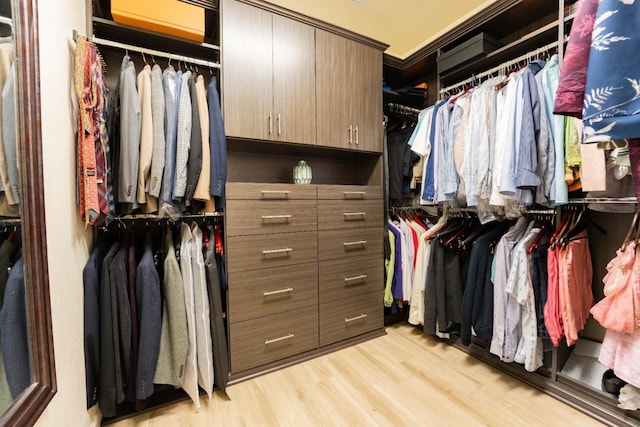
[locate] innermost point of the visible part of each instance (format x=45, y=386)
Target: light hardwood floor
x=402, y=379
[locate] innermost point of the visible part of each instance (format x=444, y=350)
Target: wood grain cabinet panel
x=277, y=250
x=349, y=277
x=258, y=293
x=268, y=191
x=268, y=75
x=267, y=339
x=334, y=214
x=268, y=217
x=350, y=192
x=349, y=317
x=348, y=94
x=336, y=244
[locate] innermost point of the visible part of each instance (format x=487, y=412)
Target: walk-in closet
x=347, y=212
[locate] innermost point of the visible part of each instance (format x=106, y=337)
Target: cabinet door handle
x=279, y=291
x=283, y=193
x=349, y=194
x=357, y=136
x=357, y=243
x=282, y=338
x=351, y=279
x=350, y=134
x=277, y=251
x=285, y=217
x=279, y=127
x=352, y=319
x=359, y=215
x=270, y=124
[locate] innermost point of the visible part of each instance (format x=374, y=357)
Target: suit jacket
x=9, y=141
x=194, y=163
x=203, y=322
x=13, y=332
x=170, y=88
x=107, y=389
x=184, y=138
x=202, y=187
x=7, y=253
x=130, y=389
x=157, y=113
x=130, y=128
x=217, y=144
x=91, y=281
x=190, y=383
x=8, y=206
x=121, y=321
x=173, y=339
x=218, y=331
x=146, y=141
x=149, y=303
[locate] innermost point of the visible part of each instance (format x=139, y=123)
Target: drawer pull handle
x=282, y=338
x=351, y=279
x=358, y=243
x=276, y=217
x=283, y=193
x=357, y=135
x=277, y=251
x=360, y=215
x=352, y=319
x=279, y=291
x=354, y=194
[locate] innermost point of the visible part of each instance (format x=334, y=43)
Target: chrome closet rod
x=152, y=52
x=499, y=67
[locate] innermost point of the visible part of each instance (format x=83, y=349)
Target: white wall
x=68, y=242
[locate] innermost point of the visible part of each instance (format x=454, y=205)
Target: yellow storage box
x=171, y=17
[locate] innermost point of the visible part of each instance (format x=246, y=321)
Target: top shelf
x=527, y=43
x=110, y=30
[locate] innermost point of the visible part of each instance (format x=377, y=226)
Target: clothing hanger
x=633, y=227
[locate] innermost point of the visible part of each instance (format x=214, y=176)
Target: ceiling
x=405, y=25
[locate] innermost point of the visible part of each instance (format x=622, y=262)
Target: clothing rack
x=403, y=109
x=477, y=77
x=603, y=200
x=152, y=52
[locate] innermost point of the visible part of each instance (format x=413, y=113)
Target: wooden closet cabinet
x=268, y=75
x=348, y=93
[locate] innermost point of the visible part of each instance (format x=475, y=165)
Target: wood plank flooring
x=402, y=379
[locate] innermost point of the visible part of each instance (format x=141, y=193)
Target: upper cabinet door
x=334, y=84
x=349, y=93
x=367, y=99
x=294, y=75
x=247, y=63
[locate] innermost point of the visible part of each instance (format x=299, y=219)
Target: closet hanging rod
x=5, y=20
x=152, y=52
x=403, y=108
x=500, y=67
x=603, y=200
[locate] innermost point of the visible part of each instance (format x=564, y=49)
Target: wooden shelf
x=110, y=30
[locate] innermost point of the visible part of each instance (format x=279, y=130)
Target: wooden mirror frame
x=32, y=402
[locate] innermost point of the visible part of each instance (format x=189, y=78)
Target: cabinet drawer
x=337, y=244
x=271, y=250
x=258, y=293
x=349, y=277
x=246, y=217
x=260, y=341
x=349, y=317
x=260, y=191
x=349, y=192
x=334, y=214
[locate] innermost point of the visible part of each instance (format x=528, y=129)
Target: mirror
x=27, y=376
